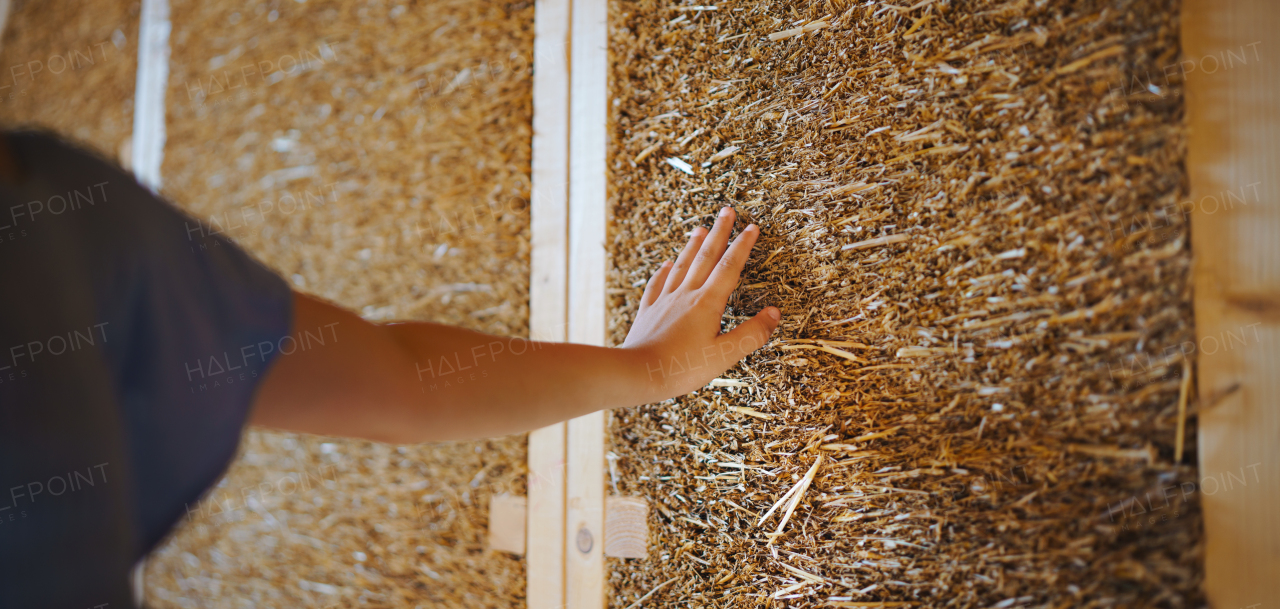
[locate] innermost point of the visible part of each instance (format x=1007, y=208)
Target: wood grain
x=626, y=527
x=588, y=137
x=548, y=294
x=584, y=531
x=1233, y=88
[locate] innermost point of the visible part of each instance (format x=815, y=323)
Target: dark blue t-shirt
x=131, y=343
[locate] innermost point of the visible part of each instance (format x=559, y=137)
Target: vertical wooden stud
x=1232, y=84
x=588, y=148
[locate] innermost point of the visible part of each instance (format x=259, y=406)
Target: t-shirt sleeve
x=134, y=338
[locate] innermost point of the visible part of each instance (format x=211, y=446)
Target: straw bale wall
x=973, y=220
x=68, y=67
x=374, y=154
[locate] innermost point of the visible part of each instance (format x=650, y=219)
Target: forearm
x=478, y=385
x=421, y=381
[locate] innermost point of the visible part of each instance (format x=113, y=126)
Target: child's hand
x=676, y=334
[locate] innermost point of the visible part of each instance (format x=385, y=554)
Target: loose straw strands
x=1184, y=391
x=797, y=31
x=792, y=499
x=913, y=171
x=650, y=593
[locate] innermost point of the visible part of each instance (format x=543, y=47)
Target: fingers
x=724, y=277
x=748, y=336
x=654, y=287
x=684, y=260
x=712, y=248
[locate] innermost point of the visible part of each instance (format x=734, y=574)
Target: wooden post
x=548, y=294
x=567, y=294
x=626, y=527
x=588, y=194
x=1231, y=67
x=147, y=143
x=508, y=520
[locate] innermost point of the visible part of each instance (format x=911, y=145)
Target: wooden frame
x=588, y=193
x=566, y=500
x=1232, y=83
x=147, y=143
x=567, y=291
x=548, y=294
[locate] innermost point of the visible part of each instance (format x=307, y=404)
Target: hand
x=676, y=334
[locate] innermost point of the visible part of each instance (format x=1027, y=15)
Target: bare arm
x=422, y=381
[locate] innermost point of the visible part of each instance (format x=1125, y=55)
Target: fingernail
x=773, y=313
x=724, y=211
x=751, y=227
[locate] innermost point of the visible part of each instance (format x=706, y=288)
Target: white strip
x=588, y=192
x=588, y=152
x=138, y=581
x=4, y=16
x=548, y=295
x=147, y=143
x=153, y=78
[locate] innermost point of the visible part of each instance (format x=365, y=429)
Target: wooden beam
x=588, y=194
x=1232, y=82
x=548, y=294
x=508, y=515
x=544, y=564
x=584, y=558
x=626, y=527
x=147, y=144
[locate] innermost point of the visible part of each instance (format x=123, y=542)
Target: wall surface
x=980, y=207
x=69, y=67
x=376, y=155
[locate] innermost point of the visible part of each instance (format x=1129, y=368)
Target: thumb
x=749, y=335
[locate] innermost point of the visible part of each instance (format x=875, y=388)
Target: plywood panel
x=1233, y=90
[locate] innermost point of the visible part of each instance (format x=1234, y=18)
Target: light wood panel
x=626, y=527
x=146, y=144
x=548, y=294
x=584, y=544
x=588, y=138
x=1232, y=70
x=508, y=515
x=153, y=77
